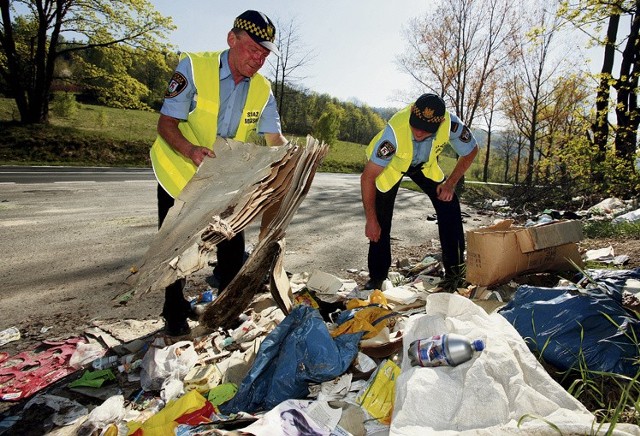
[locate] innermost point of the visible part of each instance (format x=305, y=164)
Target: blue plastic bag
x=297, y=352
x=566, y=325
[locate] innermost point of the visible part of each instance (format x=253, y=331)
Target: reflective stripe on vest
x=401, y=160
x=173, y=170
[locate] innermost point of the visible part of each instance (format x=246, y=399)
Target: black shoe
x=177, y=328
x=373, y=284
x=176, y=307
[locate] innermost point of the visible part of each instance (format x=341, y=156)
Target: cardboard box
x=503, y=251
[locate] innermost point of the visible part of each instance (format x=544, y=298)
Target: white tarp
x=489, y=394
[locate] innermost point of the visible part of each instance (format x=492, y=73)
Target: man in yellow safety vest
x=213, y=94
x=409, y=145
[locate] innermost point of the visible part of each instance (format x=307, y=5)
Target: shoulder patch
x=386, y=150
x=454, y=126
x=465, y=135
x=177, y=84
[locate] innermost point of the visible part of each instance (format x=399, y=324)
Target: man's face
x=420, y=135
x=246, y=56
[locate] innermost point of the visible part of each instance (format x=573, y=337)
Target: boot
x=177, y=309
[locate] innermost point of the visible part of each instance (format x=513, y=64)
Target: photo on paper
x=293, y=418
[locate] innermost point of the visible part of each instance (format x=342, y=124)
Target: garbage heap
x=338, y=363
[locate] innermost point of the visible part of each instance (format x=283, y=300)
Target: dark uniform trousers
x=230, y=254
x=449, y=227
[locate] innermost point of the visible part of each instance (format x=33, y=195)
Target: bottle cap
x=478, y=345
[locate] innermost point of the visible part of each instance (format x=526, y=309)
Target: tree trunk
x=627, y=107
x=506, y=171
x=518, y=157
x=600, y=126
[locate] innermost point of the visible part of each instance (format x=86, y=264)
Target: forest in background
x=561, y=127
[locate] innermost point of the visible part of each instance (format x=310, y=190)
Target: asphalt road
x=70, y=236
x=43, y=174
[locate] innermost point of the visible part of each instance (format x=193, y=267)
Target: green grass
x=91, y=120
x=344, y=157
x=98, y=135
x=115, y=124
x=607, y=229
x=109, y=132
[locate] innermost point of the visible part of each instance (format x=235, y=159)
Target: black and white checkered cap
x=259, y=27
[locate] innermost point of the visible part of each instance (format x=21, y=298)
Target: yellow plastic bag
x=376, y=297
x=370, y=320
x=163, y=423
x=378, y=396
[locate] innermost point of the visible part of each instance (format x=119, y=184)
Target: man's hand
x=372, y=230
x=168, y=129
x=445, y=191
x=197, y=154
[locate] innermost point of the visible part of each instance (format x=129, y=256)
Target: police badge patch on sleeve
x=177, y=84
x=465, y=135
x=386, y=150
x=454, y=126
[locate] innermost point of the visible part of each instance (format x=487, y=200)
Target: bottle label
x=431, y=352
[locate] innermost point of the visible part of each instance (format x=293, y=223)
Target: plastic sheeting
x=567, y=325
x=297, y=352
x=502, y=391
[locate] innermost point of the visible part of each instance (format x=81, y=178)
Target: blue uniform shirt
x=460, y=138
x=232, y=100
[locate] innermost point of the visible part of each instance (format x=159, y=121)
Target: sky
x=355, y=43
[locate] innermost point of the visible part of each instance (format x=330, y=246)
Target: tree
x=509, y=147
x=592, y=16
x=529, y=90
x=492, y=100
x=454, y=50
x=293, y=57
x=30, y=43
x=122, y=76
x=328, y=126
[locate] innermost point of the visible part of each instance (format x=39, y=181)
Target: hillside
x=92, y=135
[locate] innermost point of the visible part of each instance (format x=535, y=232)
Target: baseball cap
x=427, y=113
x=259, y=27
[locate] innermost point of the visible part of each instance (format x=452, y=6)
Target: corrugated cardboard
x=503, y=251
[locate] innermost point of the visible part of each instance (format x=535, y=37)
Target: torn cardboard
x=498, y=253
x=243, y=182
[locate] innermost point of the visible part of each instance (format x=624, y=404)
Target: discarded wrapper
x=9, y=335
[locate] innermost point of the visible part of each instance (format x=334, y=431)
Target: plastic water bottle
x=443, y=350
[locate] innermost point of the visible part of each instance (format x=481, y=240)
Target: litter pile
x=338, y=364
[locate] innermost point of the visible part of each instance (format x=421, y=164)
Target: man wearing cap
x=213, y=94
x=409, y=145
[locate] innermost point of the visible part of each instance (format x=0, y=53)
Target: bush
x=65, y=105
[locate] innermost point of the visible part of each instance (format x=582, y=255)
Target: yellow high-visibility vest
x=401, y=160
x=173, y=170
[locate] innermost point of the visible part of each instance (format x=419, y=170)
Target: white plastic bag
x=160, y=363
x=85, y=354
